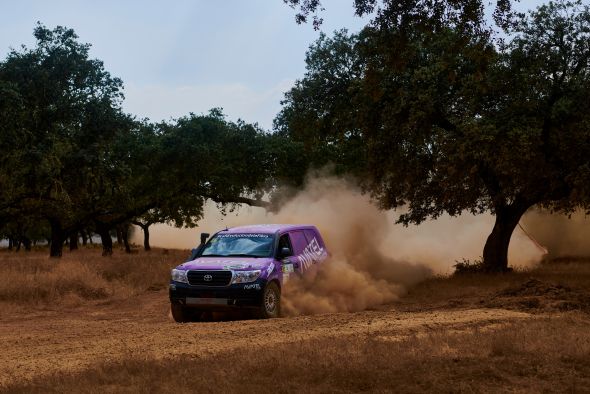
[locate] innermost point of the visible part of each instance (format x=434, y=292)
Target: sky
x=182, y=56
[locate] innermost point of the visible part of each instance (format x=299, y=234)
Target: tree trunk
x=125, y=235
x=18, y=243
x=495, y=251
x=84, y=237
x=57, y=238
x=10, y=243
x=27, y=243
x=145, y=227
x=119, y=235
x=146, y=237
x=74, y=241
x=107, y=241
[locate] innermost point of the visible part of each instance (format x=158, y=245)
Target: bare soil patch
x=536, y=295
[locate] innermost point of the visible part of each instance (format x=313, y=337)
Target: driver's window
x=284, y=242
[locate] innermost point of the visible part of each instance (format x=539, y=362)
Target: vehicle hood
x=227, y=263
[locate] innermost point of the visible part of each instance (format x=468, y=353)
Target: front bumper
x=239, y=295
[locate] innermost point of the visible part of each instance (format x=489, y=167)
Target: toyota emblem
x=208, y=278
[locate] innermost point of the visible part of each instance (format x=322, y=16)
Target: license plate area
x=206, y=301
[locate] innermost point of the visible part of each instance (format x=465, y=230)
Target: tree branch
x=240, y=200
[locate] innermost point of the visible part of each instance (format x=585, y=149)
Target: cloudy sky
x=183, y=56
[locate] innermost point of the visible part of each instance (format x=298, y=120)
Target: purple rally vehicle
x=244, y=267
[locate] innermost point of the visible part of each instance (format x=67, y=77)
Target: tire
x=180, y=313
x=271, y=302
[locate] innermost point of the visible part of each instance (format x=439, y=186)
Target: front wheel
x=271, y=301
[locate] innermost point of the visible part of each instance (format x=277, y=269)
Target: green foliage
x=215, y=158
x=69, y=155
x=320, y=103
x=425, y=14
x=60, y=99
x=465, y=266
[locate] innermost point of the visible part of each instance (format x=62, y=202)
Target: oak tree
x=460, y=120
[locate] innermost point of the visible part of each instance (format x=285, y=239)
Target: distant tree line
x=72, y=163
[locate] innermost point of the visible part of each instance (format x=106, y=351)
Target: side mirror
x=204, y=237
x=285, y=252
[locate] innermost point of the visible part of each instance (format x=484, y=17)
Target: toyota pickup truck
x=244, y=267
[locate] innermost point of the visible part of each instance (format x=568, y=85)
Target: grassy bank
x=33, y=278
x=553, y=286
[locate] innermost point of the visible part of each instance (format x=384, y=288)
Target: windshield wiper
x=213, y=255
x=241, y=255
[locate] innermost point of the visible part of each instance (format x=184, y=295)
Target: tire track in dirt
x=34, y=345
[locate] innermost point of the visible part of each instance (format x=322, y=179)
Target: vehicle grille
x=216, y=278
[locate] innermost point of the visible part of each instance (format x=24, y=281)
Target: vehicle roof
x=268, y=228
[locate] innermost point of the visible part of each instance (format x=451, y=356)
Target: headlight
x=245, y=276
x=179, y=276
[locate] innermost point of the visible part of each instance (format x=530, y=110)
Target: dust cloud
x=562, y=236
x=373, y=260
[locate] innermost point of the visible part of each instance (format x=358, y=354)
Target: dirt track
x=33, y=345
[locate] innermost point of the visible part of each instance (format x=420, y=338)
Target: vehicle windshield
x=239, y=245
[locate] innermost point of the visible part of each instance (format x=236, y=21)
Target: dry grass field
x=34, y=280
x=92, y=324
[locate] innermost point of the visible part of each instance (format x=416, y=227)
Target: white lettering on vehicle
x=270, y=269
x=254, y=286
x=243, y=236
x=312, y=253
